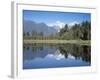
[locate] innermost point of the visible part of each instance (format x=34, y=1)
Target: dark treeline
x=78, y=31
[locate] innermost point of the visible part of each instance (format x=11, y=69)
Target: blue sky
x=51, y=18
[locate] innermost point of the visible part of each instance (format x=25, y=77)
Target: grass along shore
x=82, y=42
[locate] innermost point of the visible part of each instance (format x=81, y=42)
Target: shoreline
x=83, y=42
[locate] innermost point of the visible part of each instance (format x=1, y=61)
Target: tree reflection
x=82, y=52
x=78, y=51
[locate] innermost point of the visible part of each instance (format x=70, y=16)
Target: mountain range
x=29, y=26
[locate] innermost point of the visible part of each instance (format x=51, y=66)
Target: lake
x=38, y=55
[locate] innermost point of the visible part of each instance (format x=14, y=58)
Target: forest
x=80, y=31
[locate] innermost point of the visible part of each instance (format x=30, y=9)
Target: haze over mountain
x=29, y=26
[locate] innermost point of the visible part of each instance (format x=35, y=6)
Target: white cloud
x=57, y=25
x=60, y=24
x=57, y=55
x=70, y=56
x=73, y=23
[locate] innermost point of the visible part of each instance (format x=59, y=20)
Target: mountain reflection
x=57, y=51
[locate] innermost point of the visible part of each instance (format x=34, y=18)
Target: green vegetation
x=78, y=33
x=83, y=42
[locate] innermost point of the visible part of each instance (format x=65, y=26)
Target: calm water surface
x=37, y=56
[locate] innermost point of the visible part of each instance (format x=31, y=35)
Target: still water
x=37, y=56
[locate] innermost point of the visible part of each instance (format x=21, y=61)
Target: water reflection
x=55, y=55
